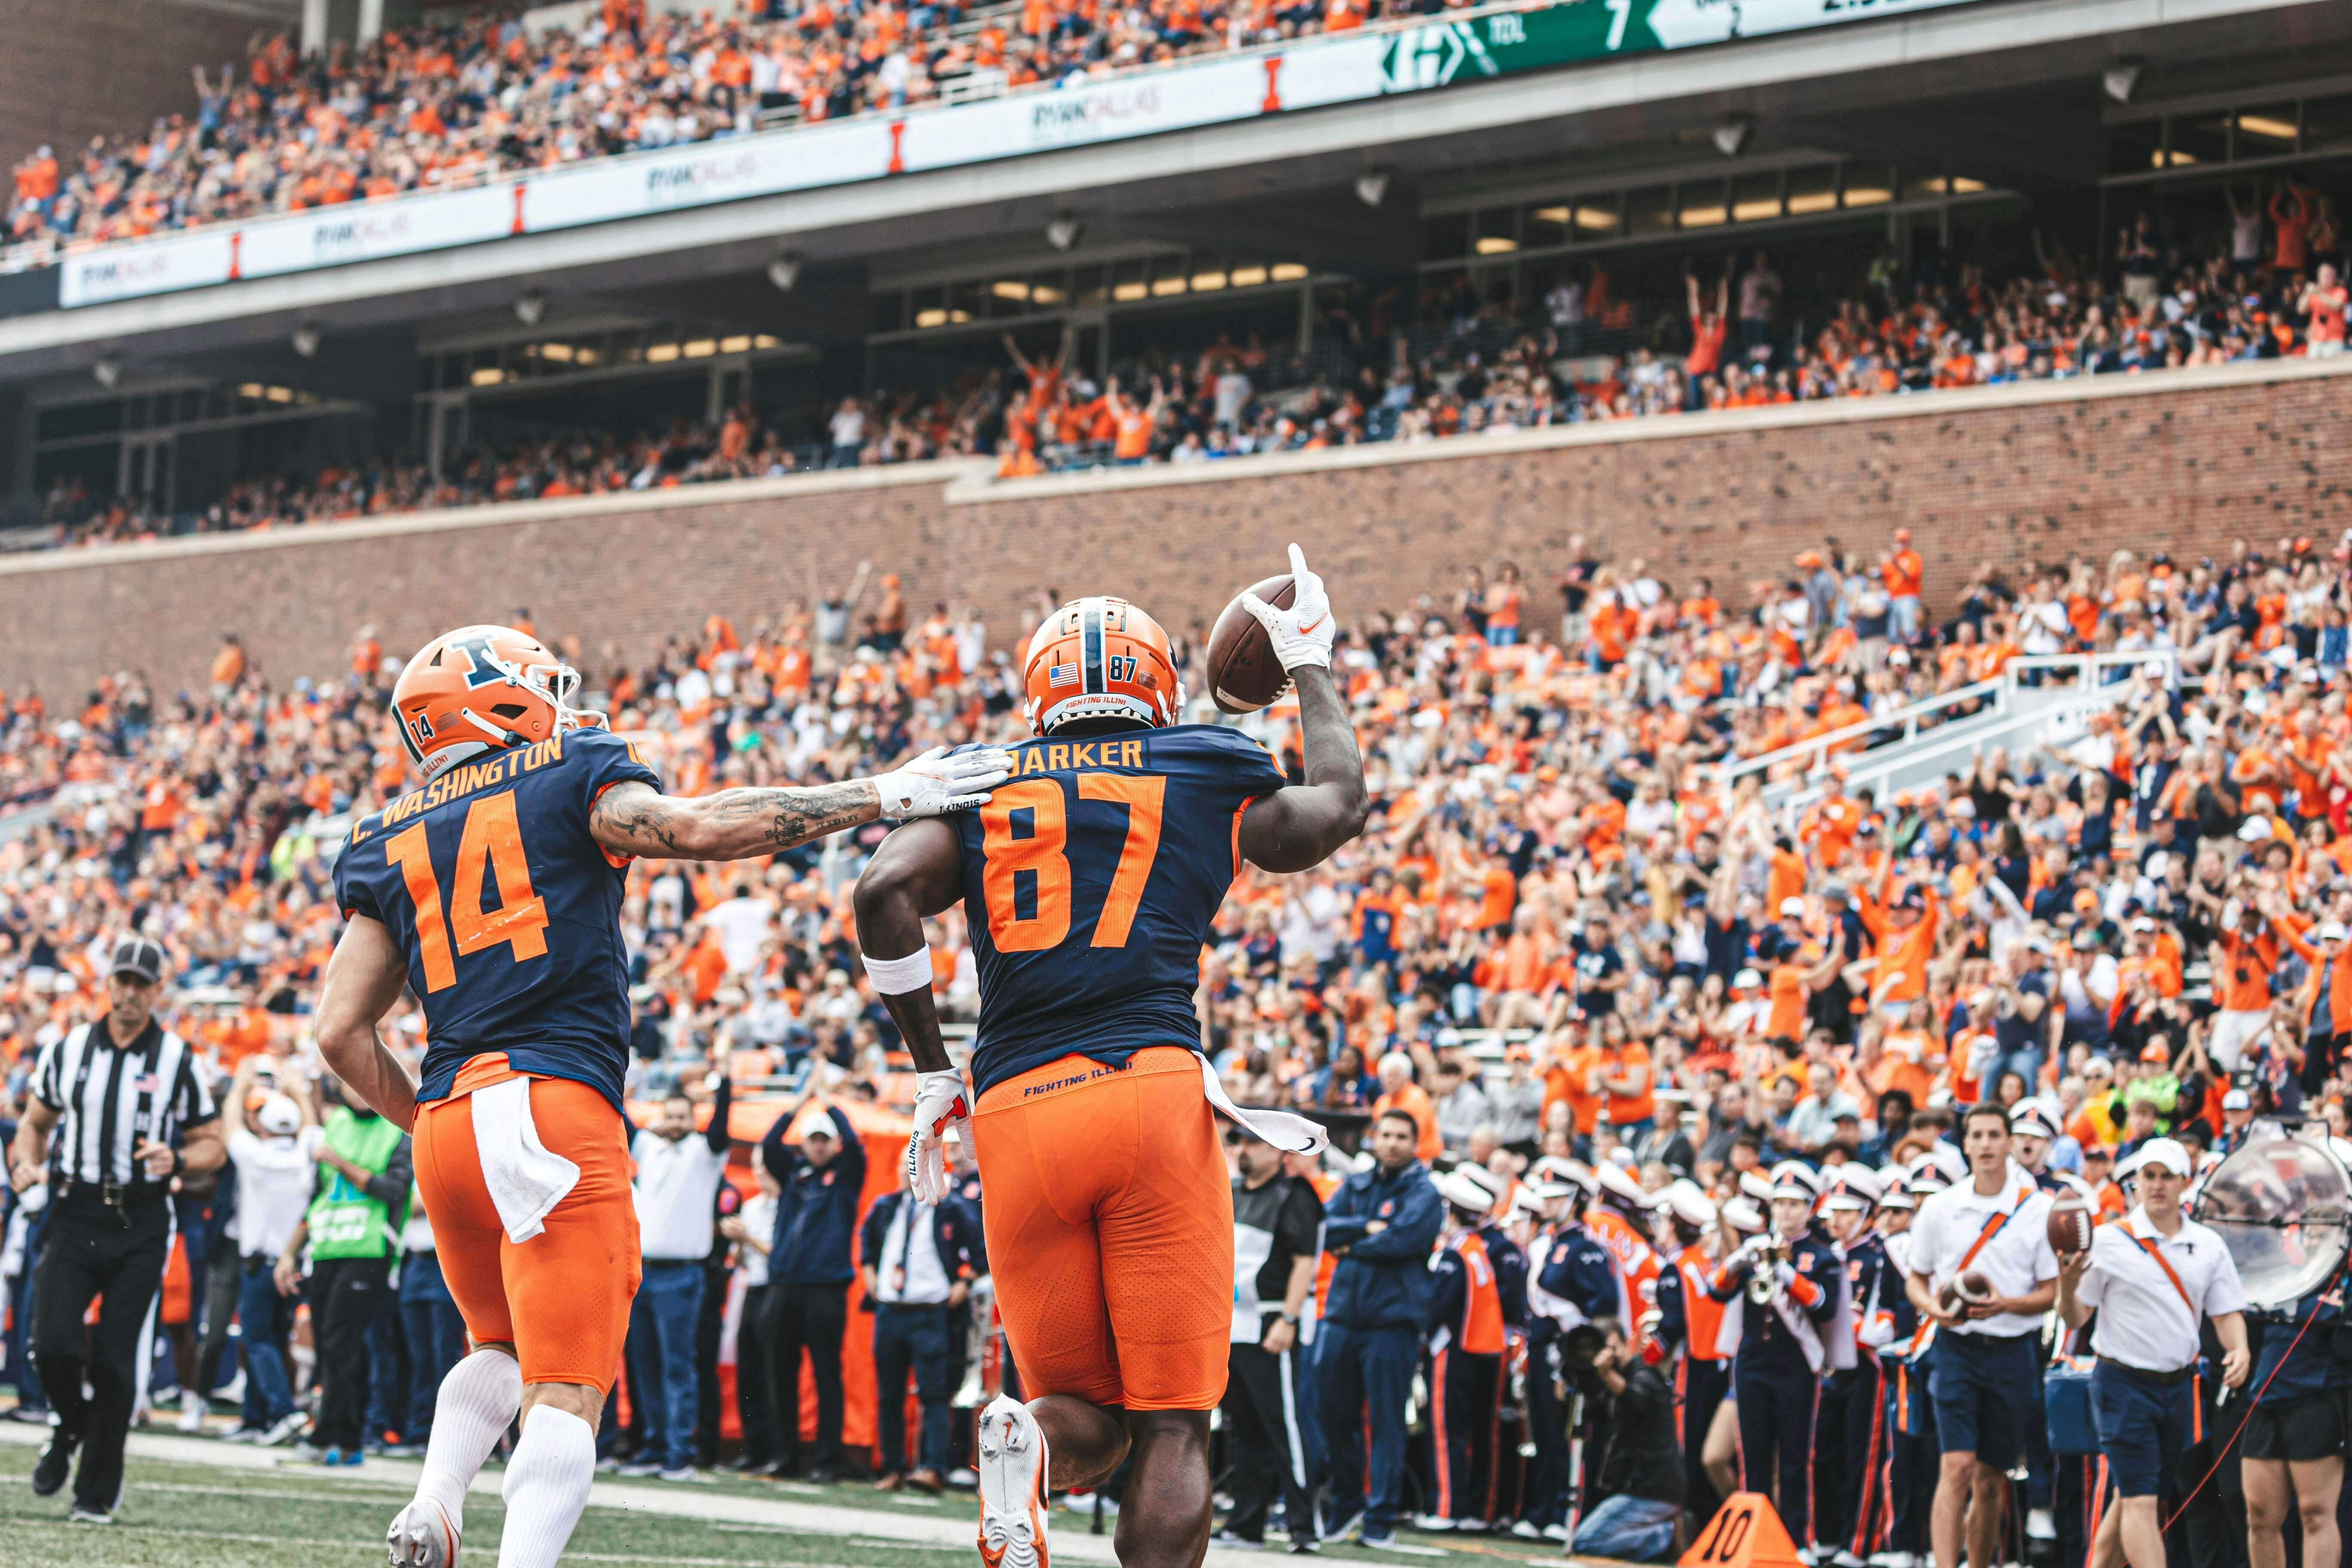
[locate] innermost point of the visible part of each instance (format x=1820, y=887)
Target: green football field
x=257, y=1512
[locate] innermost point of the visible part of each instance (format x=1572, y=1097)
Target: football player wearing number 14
x=533, y=809
x=1089, y=883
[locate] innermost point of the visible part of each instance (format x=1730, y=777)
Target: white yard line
x=1071, y=1541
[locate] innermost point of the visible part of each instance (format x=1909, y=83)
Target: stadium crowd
x=1600, y=1024
x=1580, y=352
x=433, y=108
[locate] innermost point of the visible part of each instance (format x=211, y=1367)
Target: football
x=2070, y=1225
x=1243, y=674
x=1967, y=1290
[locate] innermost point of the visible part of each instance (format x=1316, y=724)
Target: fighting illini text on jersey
x=1090, y=880
x=507, y=909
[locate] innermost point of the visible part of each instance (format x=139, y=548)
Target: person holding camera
x=2153, y=1280
x=1641, y=1479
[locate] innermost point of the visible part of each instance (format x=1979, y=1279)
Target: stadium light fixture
x=2120, y=79
x=1732, y=136
x=783, y=272
x=1064, y=232
x=1372, y=186
x=108, y=370
x=530, y=307
x=305, y=339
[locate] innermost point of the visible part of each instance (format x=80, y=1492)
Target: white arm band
x=897, y=976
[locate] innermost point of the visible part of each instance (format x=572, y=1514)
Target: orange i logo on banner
x=1746, y=1532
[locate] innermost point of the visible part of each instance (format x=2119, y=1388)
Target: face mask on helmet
x=483, y=688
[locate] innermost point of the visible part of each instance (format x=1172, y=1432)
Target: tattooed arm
x=637, y=820
x=634, y=818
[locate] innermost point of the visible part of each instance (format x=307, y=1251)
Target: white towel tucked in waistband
x=525, y=1178
x=1279, y=1127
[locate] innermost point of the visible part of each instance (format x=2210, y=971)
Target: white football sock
x=475, y=1405
x=547, y=1486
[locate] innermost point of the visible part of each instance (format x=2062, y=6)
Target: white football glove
x=936, y=784
x=1302, y=633
x=940, y=1102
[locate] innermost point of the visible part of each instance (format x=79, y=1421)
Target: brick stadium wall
x=2184, y=462
x=79, y=69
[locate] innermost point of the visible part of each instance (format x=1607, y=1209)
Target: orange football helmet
x=482, y=689
x=1101, y=658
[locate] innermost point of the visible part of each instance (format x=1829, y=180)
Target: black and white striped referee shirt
x=110, y=1098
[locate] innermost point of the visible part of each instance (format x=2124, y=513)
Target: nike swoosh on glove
x=1302, y=633
x=940, y=1102
x=936, y=784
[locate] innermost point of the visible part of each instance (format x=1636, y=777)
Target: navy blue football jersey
x=1090, y=880
x=508, y=912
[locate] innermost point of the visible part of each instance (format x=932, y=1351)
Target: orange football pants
x=1110, y=1230
x=561, y=1298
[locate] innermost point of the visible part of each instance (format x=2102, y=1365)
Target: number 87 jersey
x=1091, y=877
x=506, y=909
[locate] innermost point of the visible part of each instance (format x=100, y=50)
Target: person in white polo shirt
x=2152, y=1279
x=677, y=1192
x=1985, y=1365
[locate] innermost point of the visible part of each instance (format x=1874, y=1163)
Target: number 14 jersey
x=1090, y=880
x=507, y=911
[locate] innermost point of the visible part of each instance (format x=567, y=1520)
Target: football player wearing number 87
x=493, y=891
x=1089, y=883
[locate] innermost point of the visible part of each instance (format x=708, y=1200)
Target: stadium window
x=1009, y=296
x=489, y=375
x=889, y=310
x=1049, y=290
x=1248, y=276
x=738, y=344
x=2197, y=138
x=1650, y=211
x=965, y=302
x=1445, y=237
x=1597, y=219
x=763, y=341
x=1128, y=282
x=1543, y=227
x=1868, y=184
x=1288, y=273
x=2135, y=148
x=1813, y=190
x=660, y=354
x=72, y=420
x=1209, y=282
x=2326, y=122
x=1162, y=287
x=1927, y=187
x=1699, y=204
x=702, y=348
x=1089, y=285
x=585, y=354
x=2268, y=130
x=559, y=353
x=135, y=413
x=192, y=403
x=1496, y=232
x=1755, y=197
x=934, y=317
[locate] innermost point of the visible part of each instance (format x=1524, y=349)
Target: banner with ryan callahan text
x=1308, y=73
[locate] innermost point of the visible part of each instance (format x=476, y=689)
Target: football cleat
x=1012, y=1469
x=423, y=1536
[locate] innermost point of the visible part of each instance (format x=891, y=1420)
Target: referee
x=118, y=1094
x=2152, y=1278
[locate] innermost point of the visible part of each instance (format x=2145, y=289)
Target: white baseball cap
x=279, y=1117
x=2165, y=1152
x=1792, y=908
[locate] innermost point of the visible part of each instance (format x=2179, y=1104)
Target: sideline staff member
x=118, y=1092
x=2151, y=1278
x=1986, y=1361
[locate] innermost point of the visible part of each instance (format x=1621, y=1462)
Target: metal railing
x=1815, y=750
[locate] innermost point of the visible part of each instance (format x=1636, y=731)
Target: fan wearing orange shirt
x=1398, y=1092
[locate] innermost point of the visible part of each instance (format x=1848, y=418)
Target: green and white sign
x=1441, y=53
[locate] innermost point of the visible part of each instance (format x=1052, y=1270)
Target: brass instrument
x=1772, y=1250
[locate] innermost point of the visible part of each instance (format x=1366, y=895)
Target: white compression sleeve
x=546, y=1488
x=475, y=1405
